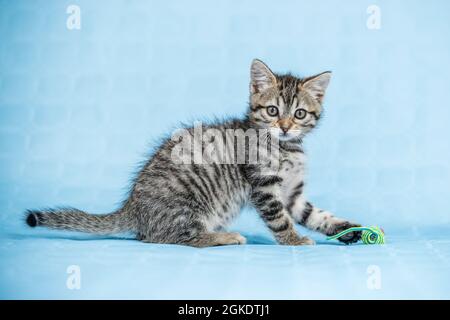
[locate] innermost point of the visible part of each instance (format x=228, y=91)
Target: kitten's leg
x=271, y=209
x=322, y=221
x=205, y=239
x=215, y=239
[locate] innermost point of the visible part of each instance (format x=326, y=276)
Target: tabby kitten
x=191, y=203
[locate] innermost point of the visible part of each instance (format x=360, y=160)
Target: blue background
x=79, y=109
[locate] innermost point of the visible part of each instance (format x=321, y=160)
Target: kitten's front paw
x=350, y=237
x=304, y=241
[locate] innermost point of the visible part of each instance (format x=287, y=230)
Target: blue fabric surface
x=414, y=264
x=80, y=108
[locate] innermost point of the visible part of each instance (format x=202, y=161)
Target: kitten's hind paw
x=233, y=238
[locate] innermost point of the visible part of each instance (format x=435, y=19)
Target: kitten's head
x=287, y=106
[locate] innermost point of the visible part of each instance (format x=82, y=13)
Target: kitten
x=191, y=203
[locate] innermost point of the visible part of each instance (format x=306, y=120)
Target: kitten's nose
x=284, y=125
x=284, y=129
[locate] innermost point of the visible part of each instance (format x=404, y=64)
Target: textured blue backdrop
x=80, y=108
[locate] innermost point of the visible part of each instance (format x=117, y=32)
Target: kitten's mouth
x=285, y=136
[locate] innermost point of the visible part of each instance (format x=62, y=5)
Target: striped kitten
x=192, y=203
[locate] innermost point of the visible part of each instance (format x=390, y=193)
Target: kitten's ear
x=262, y=78
x=316, y=85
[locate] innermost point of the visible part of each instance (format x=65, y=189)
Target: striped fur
x=191, y=204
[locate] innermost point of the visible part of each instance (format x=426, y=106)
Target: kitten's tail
x=77, y=220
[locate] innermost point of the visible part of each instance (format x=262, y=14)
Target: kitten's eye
x=300, y=114
x=272, y=111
